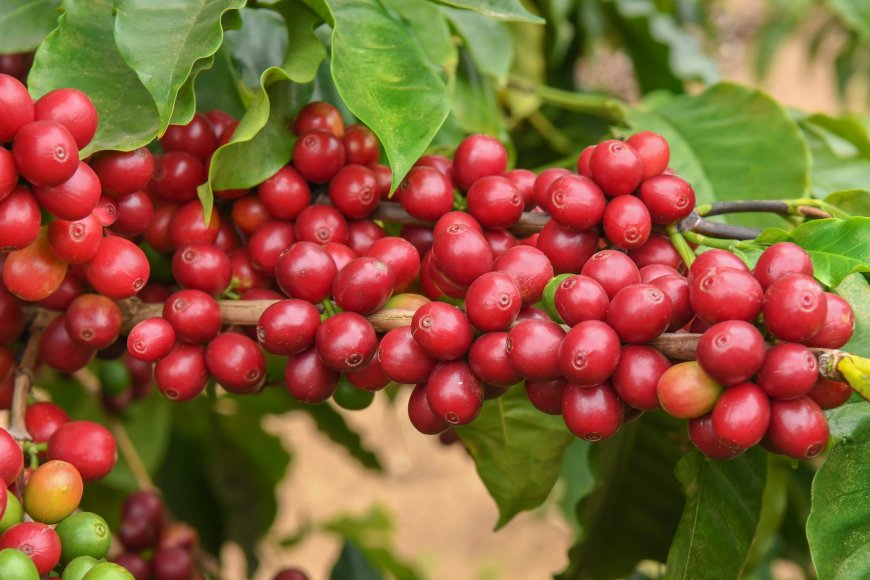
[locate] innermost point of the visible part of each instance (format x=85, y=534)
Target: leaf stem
x=602, y=106
x=680, y=244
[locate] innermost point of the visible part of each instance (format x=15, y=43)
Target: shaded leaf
x=856, y=291
x=517, y=451
x=147, y=423
x=25, y=23
x=260, y=43
x=576, y=478
x=429, y=25
x=475, y=106
x=499, y=9
x=218, y=87
x=304, y=52
x=332, y=424
x=85, y=35
x=731, y=142
x=855, y=14
x=488, y=41
x=722, y=512
x=837, y=163
x=352, y=564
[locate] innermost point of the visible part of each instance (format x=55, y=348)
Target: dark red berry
x=441, y=330
x=60, y=352
x=119, y=269
x=288, y=327
x=575, y=202
x=613, y=270
x=151, y=339
x=780, y=260
x=318, y=155
x=421, y=415
x=715, y=258
x=177, y=174
x=489, y=362
x=402, y=258
x=182, y=374
x=19, y=219
x=838, y=326
x=639, y=313
x=616, y=167
x=319, y=115
x=495, y=202
x=658, y=250
x=454, y=393
x=361, y=145
x=17, y=107
x=546, y=396
x=789, y=371
x=267, y=243
x=188, y=225
x=123, y=172
x=362, y=234
x=363, y=285
x=402, y=358
x=826, y=393
x=492, y=302
x=676, y=288
x=798, y=428
x=308, y=379
x=75, y=242
x=346, y=341
x=731, y=351
x=637, y=375
x=461, y=254
x=794, y=308
x=741, y=415
x=653, y=151
x=524, y=181
x=135, y=212
x=8, y=172
x=426, y=193
x=725, y=294
x=668, y=198
x=478, y=156
x=93, y=321
x=88, y=446
x=236, y=363
x=71, y=108
x=306, y=271
x=530, y=270
x=578, y=298
x=354, y=191
x=196, y=137
x=567, y=250
x=321, y=224
x=589, y=353
x=195, y=316
x=45, y=153
x=285, y=194
x=543, y=182
x=701, y=433
x=533, y=349
x=591, y=412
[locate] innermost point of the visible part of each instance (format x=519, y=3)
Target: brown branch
x=24, y=374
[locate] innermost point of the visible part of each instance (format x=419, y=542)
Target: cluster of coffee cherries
x=55, y=535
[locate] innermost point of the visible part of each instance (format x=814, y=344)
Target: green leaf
x=260, y=43
x=352, y=564
x=576, y=479
x=852, y=201
x=488, y=41
x=723, y=508
x=304, y=52
x=190, y=30
x=854, y=13
x=185, y=103
x=517, y=451
x=429, y=25
x=633, y=511
x=498, y=9
x=856, y=291
x=218, y=87
x=147, y=423
x=774, y=504
x=68, y=57
x=382, y=76
x=731, y=142
x=332, y=424
x=838, y=528
x=25, y=23
x=837, y=162
x=475, y=106
x=837, y=247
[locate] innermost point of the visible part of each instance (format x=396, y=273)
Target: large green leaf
x=260, y=43
x=633, y=510
x=852, y=201
x=81, y=54
x=723, y=508
x=499, y=9
x=517, y=450
x=189, y=30
x=305, y=52
x=488, y=41
x=429, y=25
x=352, y=564
x=837, y=247
x=856, y=290
x=838, y=528
x=383, y=77
x=838, y=164
x=25, y=23
x=731, y=142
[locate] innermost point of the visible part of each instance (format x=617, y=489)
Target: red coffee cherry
x=454, y=393
x=789, y=371
x=363, y=285
x=70, y=287
x=780, y=260
x=151, y=339
x=592, y=412
x=17, y=107
x=73, y=199
x=741, y=415
x=478, y=156
x=288, y=327
x=579, y=298
x=236, y=363
x=267, y=244
x=308, y=379
x=731, y=351
x=685, y=391
x=58, y=350
x=529, y=268
x=318, y=155
x=353, y=190
x=616, y=167
x=38, y=541
x=119, y=269
x=543, y=182
x=658, y=250
x=33, y=273
x=45, y=153
x=75, y=242
x=627, y=222
x=123, y=172
x=715, y=258
x=524, y=181
x=567, y=250
x=182, y=374
x=318, y=115
x=461, y=254
x=421, y=415
x=533, y=349
x=589, y=353
x=798, y=428
x=188, y=225
x=725, y=294
x=89, y=446
x=11, y=458
x=346, y=341
x=197, y=137
x=402, y=358
x=194, y=315
x=93, y=321
x=495, y=202
x=668, y=198
x=830, y=394
x=8, y=172
x=426, y=193
x=701, y=433
x=612, y=270
x=71, y=108
x=402, y=258
x=249, y=213
x=794, y=308
x=492, y=302
x=546, y=396
x=245, y=276
x=202, y=267
x=361, y=145
x=285, y=194
x=321, y=224
x=306, y=271
x=639, y=313
x=489, y=361
x=676, y=288
x=838, y=326
x=583, y=161
x=42, y=419
x=575, y=202
x=441, y=330
x=637, y=375
x=653, y=151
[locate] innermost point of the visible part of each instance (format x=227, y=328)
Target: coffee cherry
x=118, y=270
x=83, y=534
x=575, y=202
x=151, y=339
x=17, y=564
x=201, y=266
x=589, y=353
x=53, y=492
x=434, y=284
x=176, y=176
x=123, y=172
x=249, y=213
x=402, y=258
x=245, y=277
x=45, y=153
x=583, y=161
x=75, y=242
x=701, y=433
x=492, y=302
x=8, y=172
x=838, y=326
x=342, y=255
x=454, y=393
x=578, y=298
x=321, y=224
x=11, y=458
x=676, y=288
x=426, y=193
x=363, y=285
x=658, y=250
x=543, y=183
x=789, y=371
x=653, y=151
x=524, y=181
x=685, y=391
x=236, y=363
x=546, y=396
x=353, y=190
x=668, y=198
x=715, y=258
x=346, y=341
x=741, y=415
x=637, y=375
x=145, y=506
x=71, y=108
x=592, y=412
x=612, y=270
x=88, y=446
x=421, y=415
x=639, y=313
x=19, y=219
x=267, y=243
x=495, y=202
x=798, y=428
x=33, y=273
x=830, y=394
x=530, y=270
x=731, y=351
x=182, y=374
x=794, y=308
x=476, y=157
x=308, y=379
x=370, y=378
x=38, y=541
x=461, y=254
x=42, y=419
x=17, y=107
x=567, y=250
x=627, y=222
x=361, y=145
x=725, y=294
x=454, y=218
x=500, y=241
x=441, y=330
x=60, y=352
x=196, y=137
x=616, y=167
x=288, y=327
x=439, y=162
x=489, y=361
x=194, y=315
x=285, y=194
x=402, y=358
x=188, y=225
x=172, y=564
x=134, y=564
x=780, y=260
x=318, y=155
x=362, y=234
x=533, y=349
x=306, y=271
x=318, y=115
x=93, y=321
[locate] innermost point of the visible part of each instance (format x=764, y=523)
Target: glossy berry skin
x=73, y=199
x=77, y=241
x=798, y=428
x=194, y=315
x=533, y=349
x=591, y=412
x=668, y=198
x=318, y=155
x=741, y=415
x=58, y=350
x=454, y=393
x=19, y=219
x=589, y=353
x=495, y=202
x=308, y=379
x=346, y=341
x=188, y=225
x=715, y=258
x=71, y=108
x=731, y=351
x=453, y=218
x=182, y=374
x=118, y=270
x=319, y=115
x=575, y=202
x=546, y=396
x=685, y=391
x=567, y=250
x=530, y=270
x=321, y=224
x=478, y=156
x=402, y=258
x=780, y=260
x=42, y=419
x=176, y=176
x=580, y=298
x=362, y=234
x=543, y=182
x=306, y=271
x=17, y=107
x=659, y=250
x=639, y=313
x=838, y=326
x=627, y=222
x=353, y=190
x=8, y=172
x=151, y=339
x=616, y=167
x=701, y=433
x=794, y=308
x=461, y=254
x=421, y=415
x=676, y=288
x=236, y=363
x=361, y=145
x=88, y=446
x=637, y=375
x=11, y=458
x=38, y=541
x=202, y=267
x=653, y=151
x=249, y=213
x=426, y=193
x=363, y=285
x=267, y=243
x=441, y=330
x=93, y=321
x=492, y=302
x=33, y=273
x=489, y=362
x=172, y=564
x=285, y=194
x=53, y=492
x=524, y=181
x=196, y=137
x=402, y=358
x=828, y=394
x=583, y=161
x=288, y=326
x=45, y=153
x=612, y=270
x=439, y=162
x=789, y=371
x=123, y=172
x=725, y=294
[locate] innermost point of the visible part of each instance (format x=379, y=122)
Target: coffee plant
x=212, y=211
